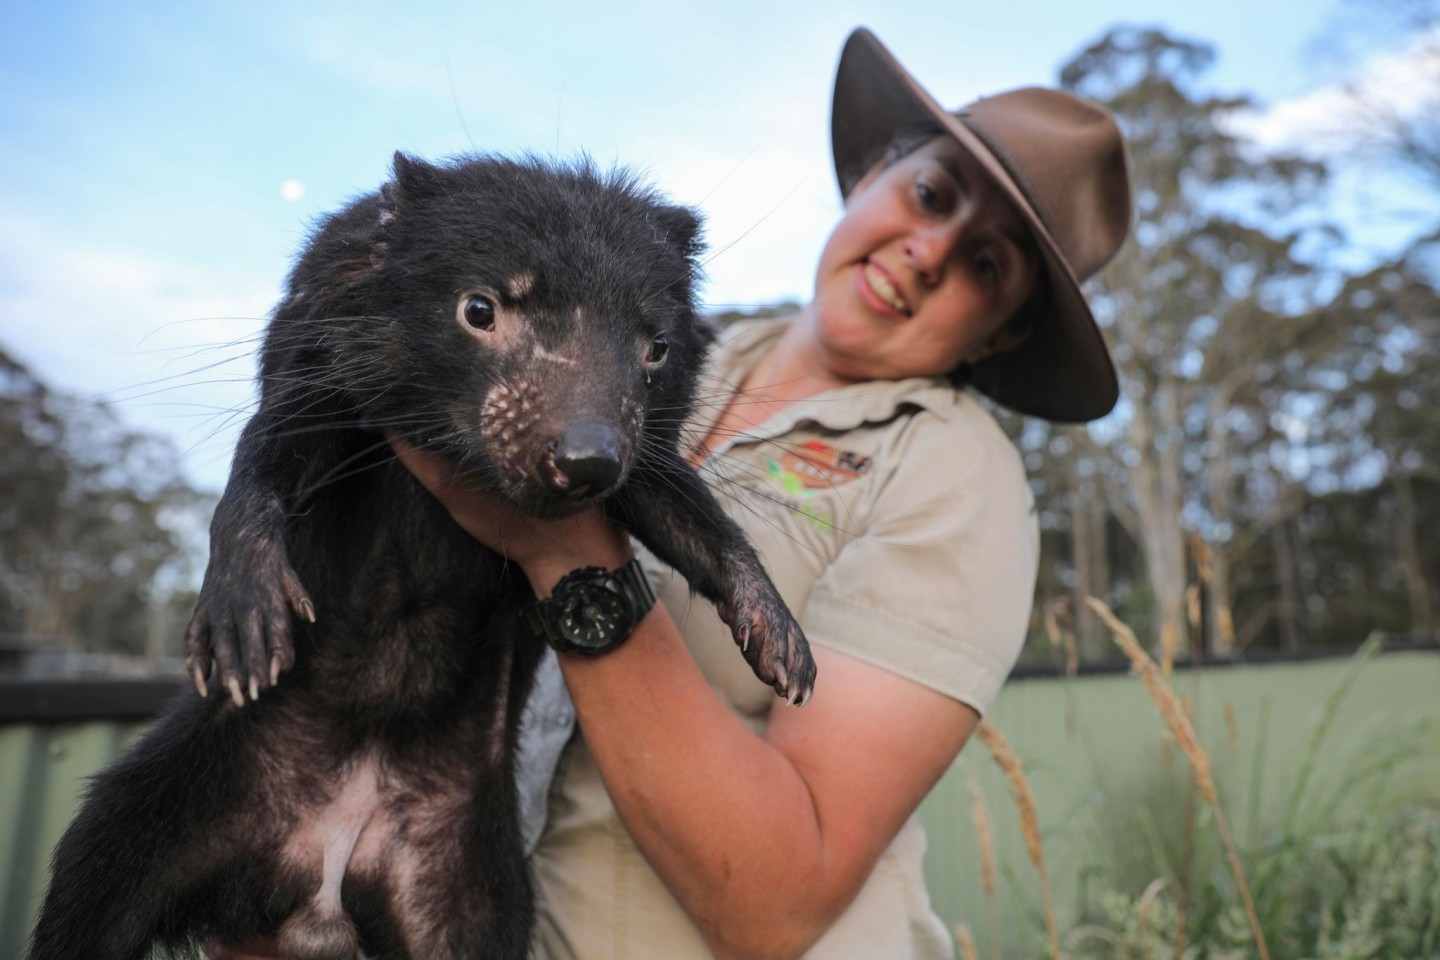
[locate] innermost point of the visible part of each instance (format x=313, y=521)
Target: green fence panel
x=43, y=769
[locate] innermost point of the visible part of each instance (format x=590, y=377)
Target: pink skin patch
x=331, y=837
x=511, y=414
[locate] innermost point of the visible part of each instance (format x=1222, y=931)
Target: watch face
x=592, y=615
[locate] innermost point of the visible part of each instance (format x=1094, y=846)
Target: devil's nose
x=587, y=459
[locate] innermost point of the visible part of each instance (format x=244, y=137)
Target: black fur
x=405, y=670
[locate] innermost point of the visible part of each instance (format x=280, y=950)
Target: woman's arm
x=838, y=778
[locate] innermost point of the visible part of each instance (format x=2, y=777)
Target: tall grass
x=1366, y=889
x=1178, y=722
x=965, y=940
x=1014, y=772
x=980, y=814
x=1333, y=880
x=1339, y=865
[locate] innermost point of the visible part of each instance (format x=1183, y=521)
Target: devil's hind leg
x=129, y=867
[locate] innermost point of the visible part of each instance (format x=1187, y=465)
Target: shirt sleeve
x=938, y=585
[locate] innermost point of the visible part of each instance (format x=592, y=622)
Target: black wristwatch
x=592, y=610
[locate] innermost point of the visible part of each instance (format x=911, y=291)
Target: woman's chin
x=856, y=362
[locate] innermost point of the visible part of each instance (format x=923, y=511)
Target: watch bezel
x=627, y=584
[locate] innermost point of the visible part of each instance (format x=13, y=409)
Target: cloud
x=169, y=345
x=1403, y=84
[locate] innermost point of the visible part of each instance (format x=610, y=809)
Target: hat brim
x=1063, y=371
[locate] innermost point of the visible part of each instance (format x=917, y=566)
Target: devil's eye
x=658, y=348
x=478, y=312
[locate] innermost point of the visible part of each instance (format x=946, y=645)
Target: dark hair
x=908, y=139
x=905, y=141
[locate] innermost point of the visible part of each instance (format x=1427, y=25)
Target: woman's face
x=924, y=269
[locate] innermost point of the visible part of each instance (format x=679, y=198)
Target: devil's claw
x=772, y=643
x=243, y=624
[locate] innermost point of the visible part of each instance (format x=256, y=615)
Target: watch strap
x=636, y=587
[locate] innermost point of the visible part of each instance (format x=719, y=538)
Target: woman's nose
x=929, y=248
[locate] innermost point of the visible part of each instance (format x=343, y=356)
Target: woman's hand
x=545, y=549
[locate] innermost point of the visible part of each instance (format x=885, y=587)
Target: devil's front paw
x=243, y=623
x=772, y=642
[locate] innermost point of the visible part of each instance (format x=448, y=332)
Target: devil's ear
x=679, y=228
x=368, y=243
x=413, y=179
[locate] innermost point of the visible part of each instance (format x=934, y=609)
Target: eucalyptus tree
x=1214, y=288
x=1380, y=413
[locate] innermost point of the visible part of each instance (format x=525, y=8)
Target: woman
x=695, y=815
x=895, y=518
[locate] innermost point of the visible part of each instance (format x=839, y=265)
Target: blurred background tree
x=98, y=530
x=1198, y=304
x=1276, y=437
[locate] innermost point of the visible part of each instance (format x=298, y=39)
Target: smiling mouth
x=881, y=286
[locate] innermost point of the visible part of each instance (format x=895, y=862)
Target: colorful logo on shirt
x=814, y=466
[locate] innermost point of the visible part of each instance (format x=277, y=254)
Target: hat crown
x=1067, y=157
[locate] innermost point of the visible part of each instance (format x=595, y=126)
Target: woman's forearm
x=723, y=816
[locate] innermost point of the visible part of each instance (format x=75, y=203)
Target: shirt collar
x=841, y=408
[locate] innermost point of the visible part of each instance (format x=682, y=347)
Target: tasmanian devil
x=534, y=323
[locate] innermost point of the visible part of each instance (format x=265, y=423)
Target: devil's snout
x=585, y=462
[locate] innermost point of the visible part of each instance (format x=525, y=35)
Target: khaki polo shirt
x=896, y=520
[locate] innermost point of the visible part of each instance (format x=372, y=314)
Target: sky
x=161, y=163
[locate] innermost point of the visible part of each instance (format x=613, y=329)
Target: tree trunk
x=1422, y=618
x=1220, y=624
x=1290, y=611
x=43, y=616
x=1089, y=553
x=1157, y=491
x=1082, y=556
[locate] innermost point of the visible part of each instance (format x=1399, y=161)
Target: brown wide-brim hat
x=1061, y=161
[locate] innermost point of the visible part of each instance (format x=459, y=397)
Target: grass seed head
x=1171, y=710
x=966, y=942
x=981, y=815
x=1014, y=772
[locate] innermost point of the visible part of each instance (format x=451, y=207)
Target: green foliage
x=1367, y=889
x=1347, y=868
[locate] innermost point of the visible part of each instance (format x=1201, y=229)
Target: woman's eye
x=657, y=350
x=478, y=312
x=928, y=196
x=987, y=267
